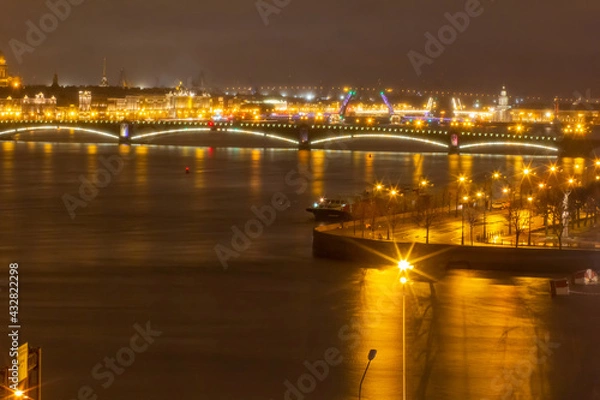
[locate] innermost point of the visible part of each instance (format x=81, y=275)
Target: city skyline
x=236, y=44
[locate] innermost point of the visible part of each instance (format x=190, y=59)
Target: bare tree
x=517, y=219
x=555, y=203
x=472, y=215
x=376, y=210
x=428, y=213
x=392, y=215
x=359, y=212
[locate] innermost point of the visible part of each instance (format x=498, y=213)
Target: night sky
x=534, y=47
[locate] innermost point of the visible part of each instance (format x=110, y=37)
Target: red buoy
x=187, y=170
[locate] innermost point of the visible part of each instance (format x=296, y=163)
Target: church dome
x=2, y=59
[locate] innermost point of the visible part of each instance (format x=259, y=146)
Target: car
x=500, y=205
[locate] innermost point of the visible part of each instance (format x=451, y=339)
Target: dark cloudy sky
x=534, y=46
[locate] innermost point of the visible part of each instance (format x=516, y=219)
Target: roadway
x=451, y=228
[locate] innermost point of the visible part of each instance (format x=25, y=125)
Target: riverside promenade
x=376, y=243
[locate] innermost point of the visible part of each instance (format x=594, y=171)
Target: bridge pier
x=303, y=137
x=125, y=133
x=454, y=145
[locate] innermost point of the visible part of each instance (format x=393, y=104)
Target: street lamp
x=404, y=267
x=479, y=195
x=530, y=200
x=462, y=230
x=494, y=176
x=393, y=194
x=461, y=180
x=526, y=173
x=371, y=356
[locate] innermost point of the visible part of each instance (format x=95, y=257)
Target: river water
x=251, y=323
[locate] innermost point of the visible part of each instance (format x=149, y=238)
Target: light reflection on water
x=144, y=248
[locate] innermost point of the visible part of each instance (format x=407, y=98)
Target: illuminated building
x=502, y=114
x=5, y=79
x=10, y=108
x=39, y=106
x=85, y=101
x=183, y=103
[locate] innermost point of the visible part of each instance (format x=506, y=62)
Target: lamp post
x=393, y=194
x=530, y=200
x=423, y=185
x=404, y=267
x=495, y=175
x=371, y=356
x=479, y=195
x=526, y=173
x=461, y=180
x=462, y=229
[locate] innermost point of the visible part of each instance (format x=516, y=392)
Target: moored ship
x=327, y=209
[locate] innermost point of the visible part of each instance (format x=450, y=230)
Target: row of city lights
x=391, y=90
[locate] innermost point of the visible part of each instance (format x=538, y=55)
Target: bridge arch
x=433, y=143
x=509, y=144
x=58, y=128
x=211, y=130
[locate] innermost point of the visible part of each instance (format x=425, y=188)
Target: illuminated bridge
x=297, y=135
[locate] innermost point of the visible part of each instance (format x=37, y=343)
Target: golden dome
x=2, y=59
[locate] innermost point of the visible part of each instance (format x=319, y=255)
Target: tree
x=472, y=215
x=375, y=211
x=579, y=197
x=392, y=215
x=517, y=219
x=359, y=212
x=428, y=213
x=556, y=205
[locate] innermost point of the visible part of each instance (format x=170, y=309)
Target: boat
x=327, y=209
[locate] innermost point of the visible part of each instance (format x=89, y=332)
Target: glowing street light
x=19, y=393
x=404, y=267
x=461, y=180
